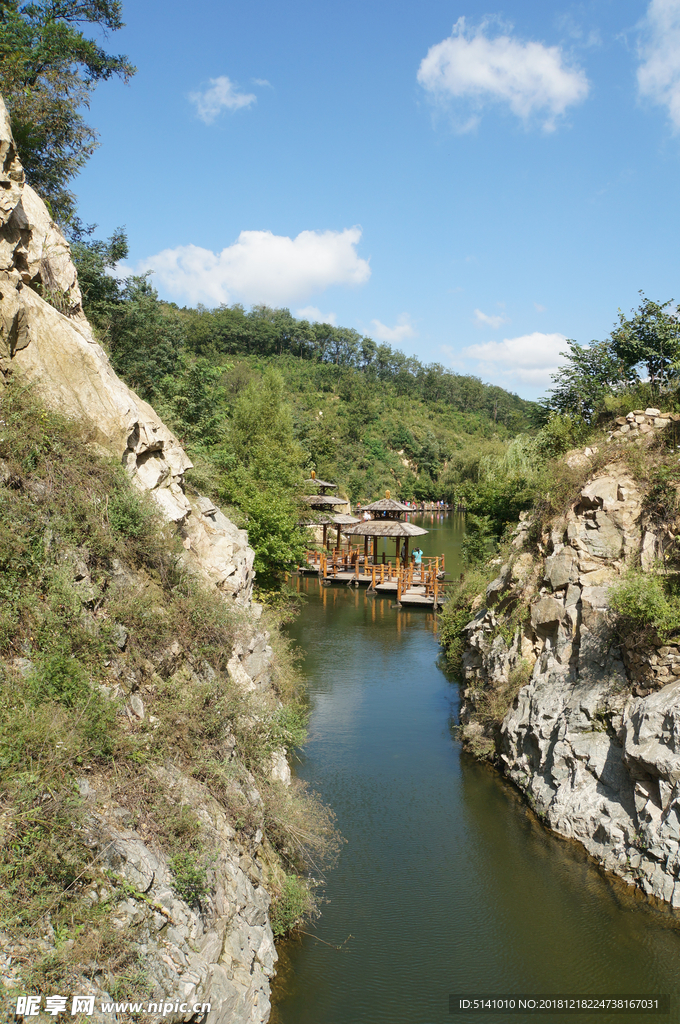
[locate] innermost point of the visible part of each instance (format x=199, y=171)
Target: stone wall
x=640, y=422
x=593, y=738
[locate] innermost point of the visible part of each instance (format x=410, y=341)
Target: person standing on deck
x=418, y=557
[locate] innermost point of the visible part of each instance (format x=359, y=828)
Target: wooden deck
x=408, y=584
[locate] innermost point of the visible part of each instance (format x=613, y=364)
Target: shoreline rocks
x=592, y=739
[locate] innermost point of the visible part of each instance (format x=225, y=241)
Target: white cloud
x=402, y=329
x=262, y=267
x=659, y=73
x=539, y=308
x=529, y=359
x=530, y=77
x=221, y=95
x=262, y=81
x=315, y=316
x=489, y=321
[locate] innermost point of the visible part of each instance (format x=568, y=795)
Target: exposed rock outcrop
x=220, y=949
x=50, y=343
x=593, y=736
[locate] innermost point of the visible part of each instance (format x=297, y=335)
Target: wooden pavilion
x=325, y=505
x=410, y=584
x=386, y=521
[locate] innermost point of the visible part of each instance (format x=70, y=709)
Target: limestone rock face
x=51, y=344
x=593, y=738
x=221, y=953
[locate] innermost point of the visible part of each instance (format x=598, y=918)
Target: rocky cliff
x=46, y=338
x=215, y=947
x=592, y=733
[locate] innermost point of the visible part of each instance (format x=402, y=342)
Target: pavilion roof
x=318, y=520
x=385, y=528
x=321, y=483
x=341, y=519
x=322, y=500
x=385, y=505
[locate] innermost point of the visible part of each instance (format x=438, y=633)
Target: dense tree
x=650, y=338
x=95, y=261
x=588, y=374
x=145, y=336
x=48, y=69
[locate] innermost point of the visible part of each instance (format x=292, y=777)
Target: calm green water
x=446, y=883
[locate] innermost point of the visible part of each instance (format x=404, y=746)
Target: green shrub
x=456, y=612
x=191, y=877
x=61, y=679
x=645, y=608
x=294, y=904
x=128, y=514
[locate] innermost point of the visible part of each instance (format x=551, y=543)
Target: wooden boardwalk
x=408, y=584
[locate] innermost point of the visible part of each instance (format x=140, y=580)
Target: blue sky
x=471, y=183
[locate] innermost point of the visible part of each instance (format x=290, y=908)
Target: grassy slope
x=82, y=554
x=367, y=434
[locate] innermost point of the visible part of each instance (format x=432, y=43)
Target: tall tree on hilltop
x=48, y=69
x=650, y=338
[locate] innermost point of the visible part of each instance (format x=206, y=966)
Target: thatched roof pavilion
x=324, y=485
x=323, y=500
x=385, y=528
x=386, y=522
x=386, y=508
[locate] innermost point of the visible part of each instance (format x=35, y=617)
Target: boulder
x=600, y=493
x=603, y=540
x=499, y=585
x=560, y=568
x=546, y=613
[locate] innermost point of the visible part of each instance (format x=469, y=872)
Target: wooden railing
x=350, y=563
x=354, y=560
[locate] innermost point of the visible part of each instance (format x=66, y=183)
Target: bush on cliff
x=647, y=606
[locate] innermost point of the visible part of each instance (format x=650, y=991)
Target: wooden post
x=436, y=592
x=399, y=588
x=398, y=539
x=375, y=551
x=325, y=533
x=365, y=551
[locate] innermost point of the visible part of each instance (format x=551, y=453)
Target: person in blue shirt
x=418, y=557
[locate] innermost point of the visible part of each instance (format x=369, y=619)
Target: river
x=447, y=884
